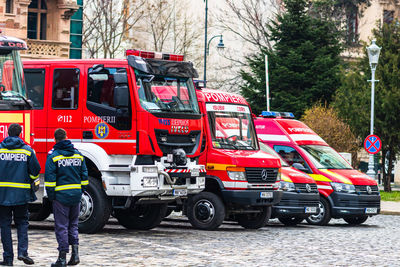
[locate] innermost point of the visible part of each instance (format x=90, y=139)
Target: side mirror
x=300, y=167
x=121, y=96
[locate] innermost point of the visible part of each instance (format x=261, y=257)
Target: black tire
x=255, y=220
x=41, y=213
x=95, y=208
x=291, y=221
x=356, y=220
x=205, y=211
x=141, y=217
x=324, y=215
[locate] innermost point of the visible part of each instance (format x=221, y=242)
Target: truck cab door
x=65, y=109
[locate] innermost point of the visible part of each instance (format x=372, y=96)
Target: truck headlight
x=236, y=173
x=150, y=181
x=150, y=169
x=343, y=188
x=287, y=186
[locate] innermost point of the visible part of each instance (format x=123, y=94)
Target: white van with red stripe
x=344, y=192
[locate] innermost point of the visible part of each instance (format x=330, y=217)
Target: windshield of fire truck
x=167, y=94
x=231, y=127
x=12, y=85
x=325, y=157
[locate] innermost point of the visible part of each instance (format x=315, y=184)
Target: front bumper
x=295, y=204
x=250, y=197
x=344, y=204
x=134, y=182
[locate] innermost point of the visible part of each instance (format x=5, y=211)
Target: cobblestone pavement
x=176, y=243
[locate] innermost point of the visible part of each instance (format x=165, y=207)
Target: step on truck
x=241, y=179
x=140, y=142
x=300, y=197
x=344, y=192
x=14, y=105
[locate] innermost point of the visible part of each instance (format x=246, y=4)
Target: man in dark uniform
x=66, y=176
x=19, y=170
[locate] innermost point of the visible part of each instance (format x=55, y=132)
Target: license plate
x=266, y=194
x=180, y=192
x=195, y=173
x=311, y=209
x=371, y=210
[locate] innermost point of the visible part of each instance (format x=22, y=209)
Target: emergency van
x=240, y=177
x=300, y=197
x=141, y=143
x=344, y=192
x=14, y=106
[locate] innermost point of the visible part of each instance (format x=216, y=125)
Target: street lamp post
x=207, y=44
x=373, y=56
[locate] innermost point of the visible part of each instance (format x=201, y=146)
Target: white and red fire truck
x=141, y=146
x=344, y=192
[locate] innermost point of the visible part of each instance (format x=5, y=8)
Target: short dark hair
x=14, y=129
x=60, y=134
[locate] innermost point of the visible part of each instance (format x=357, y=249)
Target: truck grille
x=261, y=175
x=362, y=189
x=168, y=142
x=302, y=188
x=298, y=203
x=359, y=204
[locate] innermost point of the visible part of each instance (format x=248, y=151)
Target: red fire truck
x=300, y=197
x=141, y=147
x=344, y=192
x=240, y=178
x=14, y=106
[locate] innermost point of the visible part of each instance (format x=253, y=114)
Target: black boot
x=6, y=262
x=61, y=261
x=74, y=256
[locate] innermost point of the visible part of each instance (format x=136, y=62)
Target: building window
x=388, y=16
x=37, y=19
x=352, y=26
x=76, y=32
x=65, y=89
x=9, y=6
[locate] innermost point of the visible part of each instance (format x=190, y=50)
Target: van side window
x=291, y=156
x=34, y=80
x=102, y=99
x=65, y=89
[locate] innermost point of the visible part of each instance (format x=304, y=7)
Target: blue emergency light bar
x=277, y=114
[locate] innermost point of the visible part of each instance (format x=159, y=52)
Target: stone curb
x=389, y=212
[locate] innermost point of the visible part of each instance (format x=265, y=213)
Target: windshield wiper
x=228, y=144
x=16, y=94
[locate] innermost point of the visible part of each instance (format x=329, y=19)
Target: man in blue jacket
x=66, y=176
x=19, y=170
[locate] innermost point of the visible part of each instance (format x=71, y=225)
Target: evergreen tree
x=353, y=99
x=303, y=63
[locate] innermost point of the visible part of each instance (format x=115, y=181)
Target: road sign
x=372, y=144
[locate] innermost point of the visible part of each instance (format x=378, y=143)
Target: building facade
x=44, y=24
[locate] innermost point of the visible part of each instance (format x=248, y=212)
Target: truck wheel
x=290, y=221
x=95, y=208
x=356, y=220
x=255, y=220
x=42, y=213
x=205, y=211
x=141, y=217
x=324, y=215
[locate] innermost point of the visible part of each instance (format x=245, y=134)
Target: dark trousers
x=66, y=225
x=21, y=216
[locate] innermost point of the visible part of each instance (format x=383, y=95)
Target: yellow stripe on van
x=218, y=167
x=286, y=178
x=320, y=178
x=338, y=176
